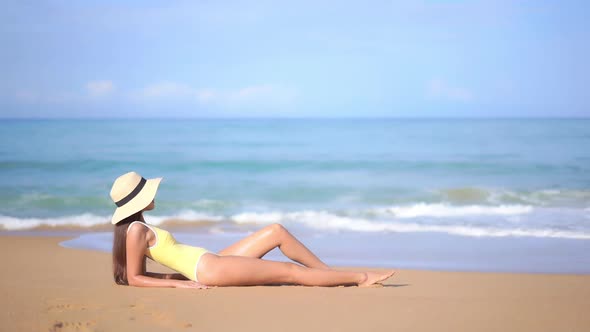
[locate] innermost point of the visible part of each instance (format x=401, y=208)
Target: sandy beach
x=45, y=287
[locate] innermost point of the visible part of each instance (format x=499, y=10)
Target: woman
x=237, y=265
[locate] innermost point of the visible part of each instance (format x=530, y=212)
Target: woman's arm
x=136, y=244
x=176, y=276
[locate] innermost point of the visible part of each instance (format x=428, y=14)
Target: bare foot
x=375, y=277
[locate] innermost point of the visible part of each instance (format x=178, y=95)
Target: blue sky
x=94, y=59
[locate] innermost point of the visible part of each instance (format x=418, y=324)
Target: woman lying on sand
x=237, y=265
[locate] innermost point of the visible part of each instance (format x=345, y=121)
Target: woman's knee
x=277, y=229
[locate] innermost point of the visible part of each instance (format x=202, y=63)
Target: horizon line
x=311, y=118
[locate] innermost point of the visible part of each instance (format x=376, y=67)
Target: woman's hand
x=190, y=284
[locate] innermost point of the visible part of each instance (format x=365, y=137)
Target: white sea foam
x=322, y=220
x=82, y=220
x=500, y=221
x=188, y=215
x=444, y=210
x=258, y=218
x=313, y=219
x=90, y=220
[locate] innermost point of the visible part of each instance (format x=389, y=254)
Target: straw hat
x=131, y=193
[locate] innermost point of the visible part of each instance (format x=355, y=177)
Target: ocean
x=398, y=185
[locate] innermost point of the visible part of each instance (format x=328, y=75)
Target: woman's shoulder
x=144, y=228
x=139, y=233
x=133, y=226
x=151, y=230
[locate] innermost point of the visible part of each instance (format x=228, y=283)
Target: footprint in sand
x=65, y=307
x=161, y=318
x=60, y=326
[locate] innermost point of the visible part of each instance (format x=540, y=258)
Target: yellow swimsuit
x=179, y=257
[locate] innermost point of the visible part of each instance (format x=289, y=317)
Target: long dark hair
x=120, y=247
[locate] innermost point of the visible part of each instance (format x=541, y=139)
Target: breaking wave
x=470, y=220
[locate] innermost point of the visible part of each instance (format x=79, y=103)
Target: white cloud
x=255, y=95
x=258, y=95
x=167, y=90
x=438, y=88
x=253, y=91
x=99, y=88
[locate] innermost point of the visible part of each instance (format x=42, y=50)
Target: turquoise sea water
x=471, y=178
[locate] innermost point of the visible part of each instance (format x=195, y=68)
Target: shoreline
x=62, y=289
x=413, y=251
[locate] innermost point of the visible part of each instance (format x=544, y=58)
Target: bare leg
x=272, y=236
x=248, y=271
